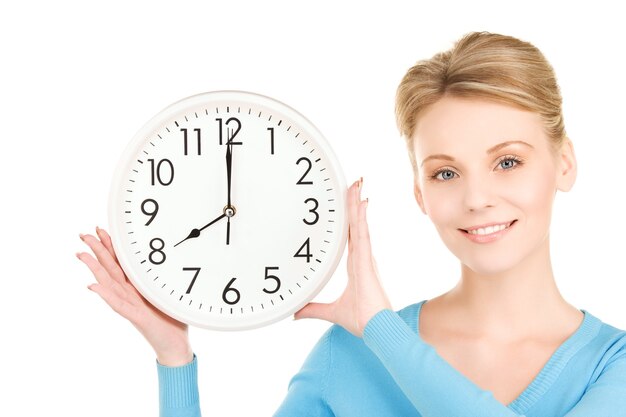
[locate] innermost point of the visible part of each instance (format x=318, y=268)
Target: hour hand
x=196, y=232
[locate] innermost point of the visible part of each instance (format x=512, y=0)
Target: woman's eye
x=444, y=174
x=508, y=163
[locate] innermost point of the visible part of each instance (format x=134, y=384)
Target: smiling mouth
x=489, y=229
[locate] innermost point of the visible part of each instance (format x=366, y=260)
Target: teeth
x=489, y=230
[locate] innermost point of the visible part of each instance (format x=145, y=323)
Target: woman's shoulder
x=603, y=331
x=608, y=337
x=597, y=346
x=612, y=331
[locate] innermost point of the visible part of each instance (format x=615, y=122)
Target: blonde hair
x=488, y=66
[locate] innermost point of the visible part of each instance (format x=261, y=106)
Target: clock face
x=227, y=210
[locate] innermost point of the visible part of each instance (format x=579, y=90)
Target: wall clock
x=227, y=210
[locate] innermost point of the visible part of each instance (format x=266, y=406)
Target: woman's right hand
x=167, y=336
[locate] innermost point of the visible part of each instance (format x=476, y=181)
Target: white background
x=79, y=79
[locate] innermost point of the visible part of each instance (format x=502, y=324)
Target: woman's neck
x=521, y=302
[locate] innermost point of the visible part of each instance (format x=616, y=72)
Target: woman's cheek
x=441, y=204
x=533, y=191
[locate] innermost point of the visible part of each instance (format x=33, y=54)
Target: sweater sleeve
x=605, y=397
x=306, y=396
x=178, y=390
x=432, y=385
x=436, y=389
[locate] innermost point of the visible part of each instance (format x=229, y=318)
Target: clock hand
x=228, y=232
x=196, y=232
x=229, y=167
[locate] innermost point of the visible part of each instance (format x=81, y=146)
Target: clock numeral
x=234, y=132
x=197, y=130
x=271, y=129
x=193, y=280
x=274, y=277
x=306, y=246
x=157, y=250
x=308, y=161
x=152, y=213
x=159, y=175
x=317, y=216
x=231, y=290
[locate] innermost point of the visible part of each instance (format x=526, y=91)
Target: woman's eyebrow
x=489, y=151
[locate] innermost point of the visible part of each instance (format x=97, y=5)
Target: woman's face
x=484, y=164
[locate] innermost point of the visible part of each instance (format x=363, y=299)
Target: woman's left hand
x=364, y=295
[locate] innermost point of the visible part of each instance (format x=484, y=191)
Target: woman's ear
x=418, y=196
x=567, y=168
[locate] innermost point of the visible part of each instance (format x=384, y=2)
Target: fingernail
x=97, y=229
x=78, y=255
x=82, y=236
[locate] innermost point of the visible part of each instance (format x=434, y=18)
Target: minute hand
x=229, y=166
x=196, y=232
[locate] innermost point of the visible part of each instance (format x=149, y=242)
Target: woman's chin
x=487, y=268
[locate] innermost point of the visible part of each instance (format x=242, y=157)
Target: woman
x=486, y=139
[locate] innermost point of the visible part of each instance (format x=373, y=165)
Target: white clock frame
x=205, y=108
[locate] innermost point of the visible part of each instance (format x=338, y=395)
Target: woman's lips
x=487, y=233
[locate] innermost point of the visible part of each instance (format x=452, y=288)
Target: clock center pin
x=230, y=211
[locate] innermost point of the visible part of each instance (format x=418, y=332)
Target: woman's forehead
x=464, y=125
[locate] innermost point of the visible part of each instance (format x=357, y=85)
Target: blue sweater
x=391, y=371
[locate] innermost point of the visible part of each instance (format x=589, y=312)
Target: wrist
x=370, y=311
x=175, y=358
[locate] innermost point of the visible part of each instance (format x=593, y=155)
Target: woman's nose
x=479, y=193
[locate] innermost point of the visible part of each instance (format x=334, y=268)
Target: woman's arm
x=606, y=397
x=176, y=363
x=178, y=390
x=433, y=386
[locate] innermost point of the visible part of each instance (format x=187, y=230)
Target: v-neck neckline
x=587, y=330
